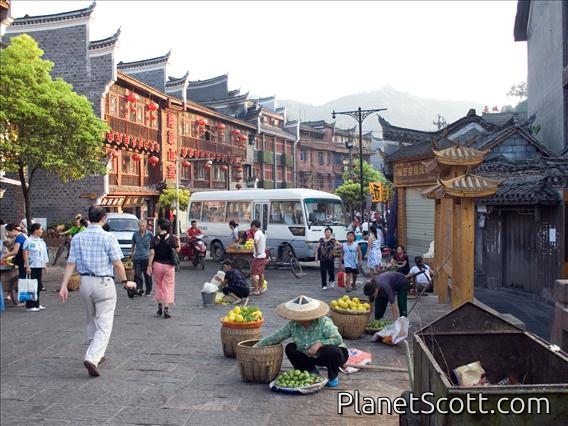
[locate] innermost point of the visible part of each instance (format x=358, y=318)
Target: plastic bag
x=356, y=357
x=210, y=288
x=394, y=333
x=27, y=289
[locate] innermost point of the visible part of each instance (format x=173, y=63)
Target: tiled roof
x=401, y=134
x=214, y=80
x=455, y=155
x=489, y=141
x=109, y=41
x=144, y=62
x=529, y=190
x=41, y=19
x=173, y=81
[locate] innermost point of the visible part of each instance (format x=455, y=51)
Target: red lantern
x=236, y=132
x=224, y=167
x=243, y=137
x=132, y=97
x=202, y=122
x=208, y=165
x=186, y=163
x=220, y=127
x=153, y=160
x=136, y=156
x=132, y=109
x=238, y=186
x=153, y=106
x=152, y=116
x=238, y=176
x=239, y=168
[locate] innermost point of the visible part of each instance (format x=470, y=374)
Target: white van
x=295, y=218
x=123, y=225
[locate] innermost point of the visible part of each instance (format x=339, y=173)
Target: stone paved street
x=173, y=371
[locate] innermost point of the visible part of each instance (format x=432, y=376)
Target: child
x=351, y=258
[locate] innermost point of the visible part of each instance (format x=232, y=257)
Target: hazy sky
x=318, y=51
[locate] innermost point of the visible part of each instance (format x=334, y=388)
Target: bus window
x=324, y=211
x=291, y=213
x=214, y=211
x=276, y=212
x=240, y=211
x=195, y=211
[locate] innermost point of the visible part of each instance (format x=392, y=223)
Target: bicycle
x=65, y=245
x=285, y=259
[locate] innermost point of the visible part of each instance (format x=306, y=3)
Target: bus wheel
x=217, y=251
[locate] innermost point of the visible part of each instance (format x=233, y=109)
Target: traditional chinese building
x=519, y=231
x=156, y=140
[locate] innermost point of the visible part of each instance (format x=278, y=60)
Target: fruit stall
x=241, y=256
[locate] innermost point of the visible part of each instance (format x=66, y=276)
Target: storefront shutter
x=419, y=223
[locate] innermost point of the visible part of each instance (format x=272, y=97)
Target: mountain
x=403, y=110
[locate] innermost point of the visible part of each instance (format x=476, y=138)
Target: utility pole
x=359, y=115
x=440, y=122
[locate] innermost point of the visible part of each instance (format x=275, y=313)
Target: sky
x=318, y=51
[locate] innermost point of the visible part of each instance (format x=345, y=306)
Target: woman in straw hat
x=316, y=340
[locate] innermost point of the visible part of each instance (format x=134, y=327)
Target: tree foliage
x=350, y=190
x=168, y=198
x=44, y=124
x=519, y=90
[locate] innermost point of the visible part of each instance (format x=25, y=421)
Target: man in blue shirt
x=140, y=253
x=96, y=254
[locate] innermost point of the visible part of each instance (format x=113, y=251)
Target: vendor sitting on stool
x=382, y=288
x=316, y=340
x=234, y=285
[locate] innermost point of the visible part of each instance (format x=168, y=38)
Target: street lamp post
x=359, y=115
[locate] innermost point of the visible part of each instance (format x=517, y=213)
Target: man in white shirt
x=259, y=258
x=421, y=273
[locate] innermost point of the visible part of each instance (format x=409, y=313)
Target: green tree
x=519, y=91
x=168, y=198
x=350, y=190
x=44, y=124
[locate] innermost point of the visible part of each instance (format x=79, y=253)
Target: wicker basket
x=351, y=325
x=231, y=336
x=74, y=283
x=260, y=365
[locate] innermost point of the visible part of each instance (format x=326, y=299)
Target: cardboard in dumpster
x=471, y=374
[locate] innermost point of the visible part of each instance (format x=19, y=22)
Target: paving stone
x=173, y=371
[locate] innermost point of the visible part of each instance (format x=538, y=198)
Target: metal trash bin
x=208, y=298
x=473, y=333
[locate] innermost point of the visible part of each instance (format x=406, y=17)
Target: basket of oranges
x=238, y=325
x=350, y=315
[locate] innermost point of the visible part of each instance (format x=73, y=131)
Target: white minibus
x=294, y=218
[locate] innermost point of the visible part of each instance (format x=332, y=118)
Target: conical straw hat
x=302, y=308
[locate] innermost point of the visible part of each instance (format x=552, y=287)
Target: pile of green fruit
x=297, y=379
x=378, y=324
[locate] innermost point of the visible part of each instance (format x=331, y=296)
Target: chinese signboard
x=412, y=172
x=379, y=192
x=170, y=149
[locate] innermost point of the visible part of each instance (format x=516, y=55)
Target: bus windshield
x=324, y=211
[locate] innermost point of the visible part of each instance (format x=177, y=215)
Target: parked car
x=123, y=225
